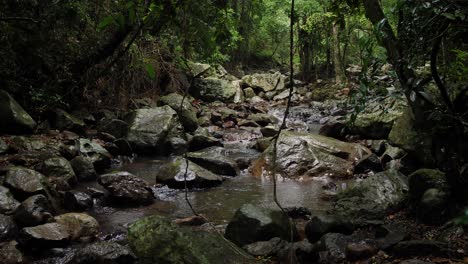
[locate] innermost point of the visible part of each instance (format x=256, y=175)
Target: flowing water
x=219, y=204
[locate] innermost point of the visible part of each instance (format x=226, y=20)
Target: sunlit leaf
x=150, y=70
x=106, y=22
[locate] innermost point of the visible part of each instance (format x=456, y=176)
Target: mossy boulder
x=265, y=81
x=424, y=179
x=215, y=160
x=213, y=89
x=155, y=239
x=15, y=120
x=187, y=113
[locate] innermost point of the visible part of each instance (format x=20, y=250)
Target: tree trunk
x=340, y=76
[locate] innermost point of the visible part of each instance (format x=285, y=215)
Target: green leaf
x=449, y=16
x=106, y=22
x=150, y=70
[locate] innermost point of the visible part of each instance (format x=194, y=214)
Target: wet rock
x=8, y=204
x=370, y=162
x=263, y=143
x=335, y=245
x=304, y=154
x=3, y=147
x=375, y=122
x=155, y=239
x=33, y=211
x=361, y=250
x=9, y=254
x=265, y=81
x=213, y=89
x=195, y=220
x=370, y=199
x=251, y=224
x=249, y=92
x=173, y=173
x=269, y=131
x=14, y=119
x=239, y=96
x=77, y=201
x=116, y=127
x=390, y=235
x=198, y=142
x=247, y=123
x=318, y=226
x=62, y=120
x=151, y=128
x=421, y=248
x=392, y=153
x=198, y=69
x=59, y=168
x=266, y=248
x=24, y=182
x=127, y=187
x=305, y=252
x=187, y=114
x=95, y=153
x=423, y=179
x=8, y=227
x=78, y=225
x=215, y=160
x=83, y=169
x=263, y=119
x=284, y=95
x=298, y=212
x=178, y=145
x=433, y=205
x=103, y=252
x=44, y=236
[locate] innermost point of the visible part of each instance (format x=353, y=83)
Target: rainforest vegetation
x=238, y=131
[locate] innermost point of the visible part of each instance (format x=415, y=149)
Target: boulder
x=249, y=93
x=8, y=228
x=197, y=69
x=265, y=81
x=9, y=254
x=372, y=198
x=173, y=174
x=25, y=182
x=263, y=119
x=266, y=248
x=62, y=120
x=215, y=160
x=423, y=179
x=77, y=201
x=433, y=206
x=116, y=127
x=335, y=246
x=151, y=128
x=95, y=153
x=155, y=239
x=124, y=146
x=59, y=168
x=376, y=121
x=304, y=154
x=239, y=96
x=14, y=119
x=4, y=148
x=33, y=211
x=127, y=187
x=83, y=168
x=78, y=225
x=8, y=204
x=361, y=250
x=49, y=235
x=187, y=113
x=198, y=142
x=251, y=224
x=105, y=252
x=213, y=89
x=321, y=225
x=421, y=248
x=370, y=162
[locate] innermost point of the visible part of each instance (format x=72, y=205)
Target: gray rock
x=178, y=145
x=251, y=224
x=155, y=239
x=83, y=168
x=423, y=179
x=116, y=127
x=265, y=81
x=25, y=182
x=269, y=131
x=33, y=211
x=8, y=204
x=14, y=119
x=266, y=248
x=3, y=147
x=59, y=168
x=198, y=142
x=433, y=205
x=263, y=119
x=8, y=228
x=9, y=254
x=213, y=89
x=215, y=160
x=249, y=92
x=173, y=173
x=304, y=154
x=95, y=153
x=321, y=225
x=372, y=198
x=151, y=128
x=103, y=252
x=77, y=201
x=127, y=187
x=62, y=120
x=335, y=245
x=49, y=235
x=124, y=146
x=187, y=113
x=78, y=225
x=370, y=162
x=361, y=250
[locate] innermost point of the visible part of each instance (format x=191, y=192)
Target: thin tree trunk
x=340, y=76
